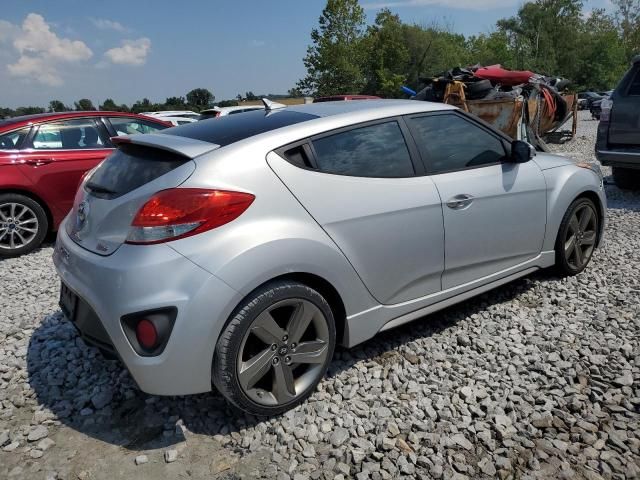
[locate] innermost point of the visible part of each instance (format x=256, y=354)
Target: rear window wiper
x=94, y=187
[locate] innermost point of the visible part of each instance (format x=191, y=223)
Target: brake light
x=182, y=212
x=605, y=109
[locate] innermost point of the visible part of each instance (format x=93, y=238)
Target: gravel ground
x=537, y=379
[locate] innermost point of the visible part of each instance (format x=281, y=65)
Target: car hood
x=548, y=160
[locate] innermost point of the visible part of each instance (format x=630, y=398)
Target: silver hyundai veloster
x=237, y=252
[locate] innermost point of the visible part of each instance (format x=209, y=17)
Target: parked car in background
x=618, y=140
x=585, y=99
x=216, y=112
x=176, y=120
x=344, y=98
x=42, y=159
x=173, y=113
x=255, y=243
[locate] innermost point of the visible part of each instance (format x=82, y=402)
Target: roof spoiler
x=187, y=147
x=270, y=105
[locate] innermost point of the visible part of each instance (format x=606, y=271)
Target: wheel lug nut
x=287, y=359
x=285, y=338
x=274, y=346
x=293, y=345
x=276, y=360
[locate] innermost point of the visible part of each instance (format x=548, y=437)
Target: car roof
x=234, y=128
x=24, y=120
x=400, y=107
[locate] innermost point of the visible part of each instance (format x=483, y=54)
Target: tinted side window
x=75, y=134
x=13, y=140
x=634, y=87
x=371, y=151
x=129, y=126
x=449, y=142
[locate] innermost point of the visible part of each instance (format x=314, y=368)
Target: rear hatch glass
x=130, y=167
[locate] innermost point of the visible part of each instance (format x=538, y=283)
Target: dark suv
x=618, y=142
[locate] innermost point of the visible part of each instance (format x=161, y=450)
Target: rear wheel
x=577, y=237
x=276, y=348
x=626, y=178
x=23, y=224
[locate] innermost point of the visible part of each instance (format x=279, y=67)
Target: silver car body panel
x=393, y=235
x=304, y=222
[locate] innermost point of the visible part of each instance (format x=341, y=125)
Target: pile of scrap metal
x=522, y=104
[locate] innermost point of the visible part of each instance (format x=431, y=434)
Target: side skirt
x=364, y=325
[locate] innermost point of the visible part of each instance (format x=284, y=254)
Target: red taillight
x=146, y=334
x=182, y=212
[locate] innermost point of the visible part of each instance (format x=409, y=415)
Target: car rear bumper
x=619, y=158
x=139, y=278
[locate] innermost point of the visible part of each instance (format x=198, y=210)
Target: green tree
x=387, y=56
x=143, y=105
x=175, y=103
x=200, y=98
x=295, y=92
x=250, y=96
x=58, y=106
x=227, y=103
x=334, y=60
x=601, y=58
x=7, y=112
x=28, y=110
x=84, y=104
x=109, y=105
x=627, y=16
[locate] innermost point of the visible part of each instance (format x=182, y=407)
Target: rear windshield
x=233, y=128
x=130, y=167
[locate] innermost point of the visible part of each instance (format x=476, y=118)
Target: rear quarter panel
x=274, y=237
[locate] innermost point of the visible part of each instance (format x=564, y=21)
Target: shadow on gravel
x=98, y=397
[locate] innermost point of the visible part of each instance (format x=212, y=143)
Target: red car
x=42, y=159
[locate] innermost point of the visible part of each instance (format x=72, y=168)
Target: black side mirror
x=521, y=152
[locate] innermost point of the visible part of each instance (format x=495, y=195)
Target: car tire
x=257, y=372
x=577, y=237
x=626, y=178
x=23, y=225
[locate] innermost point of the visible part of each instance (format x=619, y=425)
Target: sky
x=127, y=50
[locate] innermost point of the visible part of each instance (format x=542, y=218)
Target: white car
x=173, y=113
x=216, y=112
x=177, y=120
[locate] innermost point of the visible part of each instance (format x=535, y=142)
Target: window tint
x=130, y=167
x=371, y=151
x=129, y=126
x=233, y=128
x=449, y=142
x=634, y=87
x=68, y=135
x=13, y=140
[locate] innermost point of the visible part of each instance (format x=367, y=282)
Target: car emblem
x=81, y=215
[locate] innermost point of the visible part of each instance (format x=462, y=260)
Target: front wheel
x=23, y=224
x=275, y=350
x=577, y=237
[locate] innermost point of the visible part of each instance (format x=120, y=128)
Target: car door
x=360, y=185
x=57, y=154
x=494, y=211
x=624, y=126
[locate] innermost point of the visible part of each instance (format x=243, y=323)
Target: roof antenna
x=269, y=105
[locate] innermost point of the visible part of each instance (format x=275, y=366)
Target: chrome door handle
x=38, y=162
x=460, y=202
